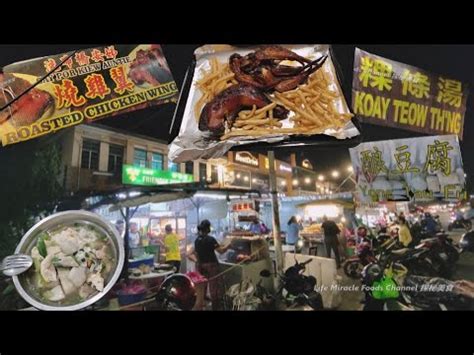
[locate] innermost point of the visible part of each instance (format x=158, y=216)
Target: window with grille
x=173, y=167
x=202, y=172
x=90, y=154
x=189, y=167
x=115, y=158
x=139, y=158
x=214, y=174
x=157, y=161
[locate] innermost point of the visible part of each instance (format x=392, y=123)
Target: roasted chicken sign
x=81, y=87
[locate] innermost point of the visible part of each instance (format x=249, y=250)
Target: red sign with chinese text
x=81, y=87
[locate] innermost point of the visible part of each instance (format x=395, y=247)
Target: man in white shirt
x=133, y=236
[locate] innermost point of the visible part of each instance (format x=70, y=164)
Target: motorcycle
x=434, y=294
x=460, y=224
x=364, y=256
x=176, y=293
x=297, y=289
x=364, y=251
x=443, y=255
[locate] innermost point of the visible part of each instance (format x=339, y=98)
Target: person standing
x=255, y=227
x=404, y=235
x=120, y=225
x=204, y=255
x=331, y=232
x=172, y=251
x=430, y=224
x=293, y=231
x=134, y=236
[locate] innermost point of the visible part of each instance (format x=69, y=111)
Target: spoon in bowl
x=16, y=264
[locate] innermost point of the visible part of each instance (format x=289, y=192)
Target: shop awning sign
x=81, y=87
x=389, y=93
x=413, y=169
x=133, y=175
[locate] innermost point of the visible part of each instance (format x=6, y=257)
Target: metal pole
x=276, y=214
x=126, y=242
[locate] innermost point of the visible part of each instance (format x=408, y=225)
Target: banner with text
x=413, y=169
x=389, y=93
x=79, y=87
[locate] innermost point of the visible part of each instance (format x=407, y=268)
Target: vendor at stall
x=255, y=227
x=134, y=235
x=171, y=244
x=203, y=254
x=331, y=232
x=293, y=231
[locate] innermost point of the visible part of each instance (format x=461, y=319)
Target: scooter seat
x=401, y=251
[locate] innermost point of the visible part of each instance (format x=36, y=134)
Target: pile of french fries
x=313, y=105
x=213, y=81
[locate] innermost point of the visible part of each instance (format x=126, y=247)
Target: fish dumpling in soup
x=77, y=275
x=67, y=240
x=66, y=284
x=47, y=269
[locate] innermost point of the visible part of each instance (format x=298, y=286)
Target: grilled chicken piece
x=229, y=102
x=278, y=53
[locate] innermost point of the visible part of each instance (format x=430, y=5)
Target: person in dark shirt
x=331, y=231
x=204, y=255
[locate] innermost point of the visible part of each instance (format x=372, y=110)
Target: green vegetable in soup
x=41, y=246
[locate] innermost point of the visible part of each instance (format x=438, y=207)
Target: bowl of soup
x=78, y=256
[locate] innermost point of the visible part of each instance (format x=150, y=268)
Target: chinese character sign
x=81, y=87
x=394, y=94
x=419, y=169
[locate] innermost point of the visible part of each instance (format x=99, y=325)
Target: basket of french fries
x=265, y=93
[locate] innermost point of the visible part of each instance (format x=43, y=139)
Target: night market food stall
x=264, y=98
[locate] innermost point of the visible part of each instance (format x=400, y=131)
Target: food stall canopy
x=342, y=203
x=154, y=198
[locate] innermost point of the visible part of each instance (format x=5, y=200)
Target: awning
x=342, y=203
x=153, y=198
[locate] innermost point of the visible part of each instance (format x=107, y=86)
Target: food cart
x=340, y=211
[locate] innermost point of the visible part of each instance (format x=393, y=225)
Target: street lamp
x=335, y=174
x=321, y=177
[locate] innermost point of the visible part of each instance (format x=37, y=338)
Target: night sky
x=454, y=61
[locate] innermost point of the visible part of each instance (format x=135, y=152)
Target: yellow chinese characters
x=415, y=84
x=449, y=92
x=403, y=161
x=372, y=163
x=376, y=73
x=437, y=158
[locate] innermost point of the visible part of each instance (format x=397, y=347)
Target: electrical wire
x=38, y=82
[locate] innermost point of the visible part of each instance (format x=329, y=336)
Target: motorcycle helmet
x=362, y=232
x=177, y=292
x=371, y=273
x=467, y=242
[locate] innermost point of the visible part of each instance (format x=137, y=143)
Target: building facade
x=94, y=157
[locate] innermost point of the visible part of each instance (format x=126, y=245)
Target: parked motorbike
x=364, y=256
x=176, y=293
x=467, y=242
x=460, y=224
x=297, y=289
x=443, y=255
x=364, y=251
